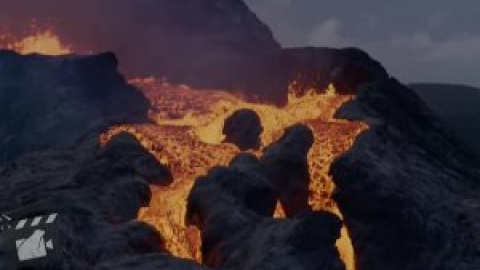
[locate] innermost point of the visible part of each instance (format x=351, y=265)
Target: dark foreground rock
x=310, y=68
x=127, y=150
x=150, y=262
x=49, y=102
x=232, y=206
x=408, y=193
x=97, y=195
x=286, y=166
x=243, y=128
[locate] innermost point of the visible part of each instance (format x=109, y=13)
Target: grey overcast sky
x=416, y=40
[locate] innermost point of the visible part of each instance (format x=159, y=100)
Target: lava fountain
x=44, y=42
x=187, y=137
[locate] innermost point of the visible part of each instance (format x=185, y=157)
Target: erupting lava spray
x=46, y=43
x=40, y=41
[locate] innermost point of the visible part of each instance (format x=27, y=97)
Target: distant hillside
x=458, y=106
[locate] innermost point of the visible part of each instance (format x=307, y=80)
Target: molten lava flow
x=42, y=42
x=187, y=136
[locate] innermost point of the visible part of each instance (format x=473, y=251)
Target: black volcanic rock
x=253, y=189
x=237, y=235
x=97, y=195
x=150, y=262
x=48, y=102
x=125, y=148
x=305, y=242
x=128, y=239
x=243, y=128
x=242, y=182
x=408, y=193
x=286, y=166
x=311, y=68
x=200, y=43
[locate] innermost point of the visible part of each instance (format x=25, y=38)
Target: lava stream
x=187, y=137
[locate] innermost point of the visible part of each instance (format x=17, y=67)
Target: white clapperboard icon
x=35, y=246
x=30, y=243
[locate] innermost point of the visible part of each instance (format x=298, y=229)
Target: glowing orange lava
x=42, y=42
x=187, y=137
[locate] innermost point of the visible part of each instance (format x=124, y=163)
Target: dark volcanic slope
x=48, y=102
x=205, y=44
x=97, y=193
x=347, y=68
x=202, y=43
x=409, y=195
x=458, y=107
